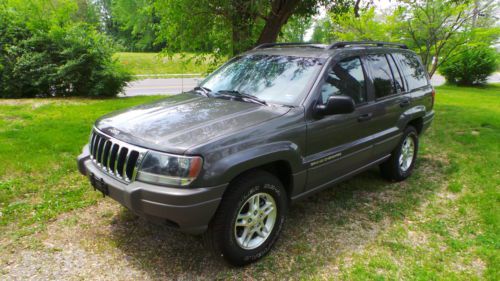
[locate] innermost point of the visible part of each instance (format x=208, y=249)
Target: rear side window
x=345, y=78
x=381, y=75
x=412, y=70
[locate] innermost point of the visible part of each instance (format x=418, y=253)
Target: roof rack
x=361, y=43
x=270, y=45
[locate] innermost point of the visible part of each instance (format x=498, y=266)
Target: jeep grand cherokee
x=271, y=126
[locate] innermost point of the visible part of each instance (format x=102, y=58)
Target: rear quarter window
x=413, y=71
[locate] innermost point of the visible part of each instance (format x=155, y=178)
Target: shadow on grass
x=336, y=221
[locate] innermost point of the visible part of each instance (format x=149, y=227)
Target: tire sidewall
x=230, y=247
x=409, y=132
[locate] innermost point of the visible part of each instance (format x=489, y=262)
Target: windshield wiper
x=241, y=96
x=204, y=91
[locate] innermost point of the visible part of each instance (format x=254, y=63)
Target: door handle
x=365, y=117
x=405, y=103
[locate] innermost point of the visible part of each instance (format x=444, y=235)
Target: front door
x=339, y=144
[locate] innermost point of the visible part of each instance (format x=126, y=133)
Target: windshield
x=274, y=79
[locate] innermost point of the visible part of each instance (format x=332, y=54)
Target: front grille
x=114, y=157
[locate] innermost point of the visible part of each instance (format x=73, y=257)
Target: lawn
x=154, y=65
x=441, y=224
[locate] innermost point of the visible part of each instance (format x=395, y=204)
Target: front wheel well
x=281, y=169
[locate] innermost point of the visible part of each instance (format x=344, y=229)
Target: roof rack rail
x=270, y=45
x=376, y=43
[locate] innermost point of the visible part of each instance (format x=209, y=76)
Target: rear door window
x=413, y=70
x=345, y=78
x=381, y=75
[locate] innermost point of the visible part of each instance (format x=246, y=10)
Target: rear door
x=390, y=101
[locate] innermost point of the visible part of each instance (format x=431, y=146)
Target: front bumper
x=189, y=210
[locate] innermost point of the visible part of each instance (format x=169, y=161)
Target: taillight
x=433, y=97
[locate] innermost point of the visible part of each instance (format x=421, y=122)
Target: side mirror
x=336, y=105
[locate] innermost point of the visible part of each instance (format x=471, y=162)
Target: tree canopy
x=434, y=29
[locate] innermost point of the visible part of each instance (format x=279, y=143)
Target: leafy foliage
x=226, y=27
x=470, y=66
x=52, y=56
x=365, y=27
x=434, y=29
x=134, y=24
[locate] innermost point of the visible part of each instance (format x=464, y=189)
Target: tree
x=365, y=26
x=295, y=29
x=227, y=26
x=323, y=31
x=435, y=29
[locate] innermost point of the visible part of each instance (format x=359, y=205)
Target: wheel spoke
x=248, y=237
x=267, y=209
x=260, y=233
x=244, y=235
x=255, y=203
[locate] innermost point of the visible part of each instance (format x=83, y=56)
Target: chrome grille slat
x=99, y=151
x=114, y=156
x=125, y=163
x=116, y=161
x=103, y=150
x=92, y=139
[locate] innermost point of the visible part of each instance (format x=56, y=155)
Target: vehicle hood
x=177, y=123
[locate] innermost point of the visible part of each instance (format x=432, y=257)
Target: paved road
x=439, y=80
x=171, y=86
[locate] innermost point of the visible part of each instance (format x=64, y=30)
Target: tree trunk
x=434, y=67
x=281, y=10
x=356, y=8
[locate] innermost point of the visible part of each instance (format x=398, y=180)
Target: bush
x=470, y=66
x=73, y=60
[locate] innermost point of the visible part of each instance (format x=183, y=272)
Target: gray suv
x=270, y=127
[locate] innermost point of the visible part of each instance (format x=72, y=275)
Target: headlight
x=161, y=168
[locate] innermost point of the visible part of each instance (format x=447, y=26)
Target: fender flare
x=229, y=167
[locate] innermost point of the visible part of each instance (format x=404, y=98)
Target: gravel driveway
x=107, y=242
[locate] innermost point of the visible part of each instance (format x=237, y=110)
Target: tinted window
x=345, y=78
x=381, y=74
x=412, y=71
x=275, y=79
x=398, y=80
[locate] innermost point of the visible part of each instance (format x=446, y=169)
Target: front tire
x=402, y=161
x=249, y=219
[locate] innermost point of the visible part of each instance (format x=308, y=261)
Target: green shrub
x=470, y=66
x=60, y=61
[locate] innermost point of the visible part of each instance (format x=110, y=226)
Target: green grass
x=154, y=63
x=440, y=224
x=39, y=140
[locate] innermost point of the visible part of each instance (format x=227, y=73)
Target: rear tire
x=249, y=219
x=402, y=161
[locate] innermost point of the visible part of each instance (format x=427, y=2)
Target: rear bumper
x=189, y=210
x=428, y=118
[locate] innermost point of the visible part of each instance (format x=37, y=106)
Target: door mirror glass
x=336, y=105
